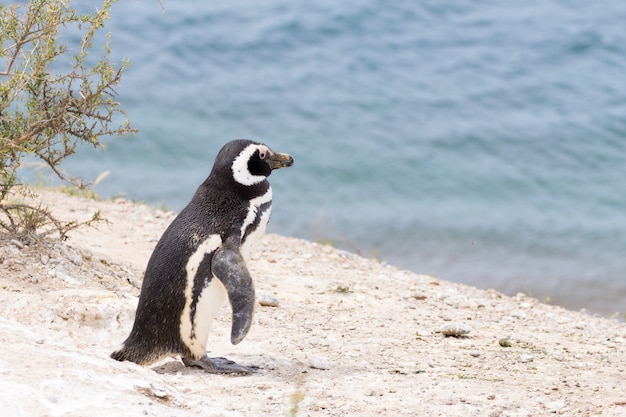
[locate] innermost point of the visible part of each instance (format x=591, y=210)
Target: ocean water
x=480, y=142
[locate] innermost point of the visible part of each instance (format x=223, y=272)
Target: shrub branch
x=45, y=111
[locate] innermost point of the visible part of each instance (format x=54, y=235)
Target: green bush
x=46, y=112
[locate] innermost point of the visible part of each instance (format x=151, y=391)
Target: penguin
x=201, y=260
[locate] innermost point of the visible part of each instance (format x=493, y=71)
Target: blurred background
x=479, y=142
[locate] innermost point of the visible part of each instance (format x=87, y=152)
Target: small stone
x=554, y=406
x=76, y=259
x=454, y=329
x=58, y=273
x=475, y=353
x=491, y=396
x=268, y=301
x=158, y=392
x=449, y=302
x=506, y=342
x=526, y=358
x=16, y=243
x=318, y=363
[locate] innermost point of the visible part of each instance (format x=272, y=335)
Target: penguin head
x=249, y=162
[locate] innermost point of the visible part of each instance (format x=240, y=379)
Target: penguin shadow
x=177, y=367
x=173, y=367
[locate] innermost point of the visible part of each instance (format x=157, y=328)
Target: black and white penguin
x=201, y=259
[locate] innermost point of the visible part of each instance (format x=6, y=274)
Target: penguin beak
x=279, y=160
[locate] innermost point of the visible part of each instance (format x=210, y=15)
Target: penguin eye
x=262, y=154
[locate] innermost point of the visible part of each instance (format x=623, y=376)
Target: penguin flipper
x=230, y=268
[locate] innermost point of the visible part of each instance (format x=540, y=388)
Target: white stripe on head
x=241, y=173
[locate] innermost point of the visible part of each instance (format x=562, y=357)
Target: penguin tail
x=141, y=353
x=123, y=354
x=132, y=354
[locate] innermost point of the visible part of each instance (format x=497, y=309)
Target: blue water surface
x=481, y=142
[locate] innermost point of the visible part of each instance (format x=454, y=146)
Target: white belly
x=209, y=303
x=194, y=333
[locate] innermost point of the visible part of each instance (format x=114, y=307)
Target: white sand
x=350, y=337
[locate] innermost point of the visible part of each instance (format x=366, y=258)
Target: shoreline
x=350, y=336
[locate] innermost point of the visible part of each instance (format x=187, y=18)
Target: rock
x=75, y=258
x=554, y=406
x=318, y=363
x=268, y=301
x=158, y=392
x=59, y=272
x=526, y=358
x=17, y=243
x=505, y=342
x=450, y=302
x=454, y=329
x=518, y=315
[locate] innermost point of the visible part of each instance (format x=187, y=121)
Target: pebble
x=526, y=358
x=75, y=258
x=268, y=301
x=505, y=342
x=318, y=363
x=158, y=392
x=58, y=273
x=454, y=329
x=518, y=315
x=16, y=243
x=475, y=353
x=450, y=302
x=555, y=406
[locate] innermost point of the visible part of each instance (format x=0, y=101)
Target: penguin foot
x=219, y=366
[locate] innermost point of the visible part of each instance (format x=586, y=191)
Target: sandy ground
x=350, y=337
